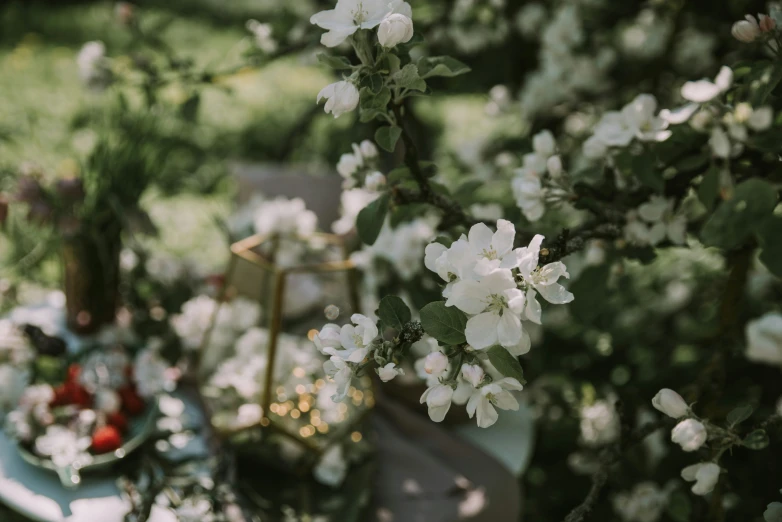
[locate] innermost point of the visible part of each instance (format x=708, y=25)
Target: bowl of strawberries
x=87, y=412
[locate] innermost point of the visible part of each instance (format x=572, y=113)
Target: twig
x=453, y=213
x=609, y=457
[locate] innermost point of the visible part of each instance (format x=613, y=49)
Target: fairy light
x=311, y=334
x=301, y=389
x=304, y=406
x=299, y=372
x=323, y=428
x=356, y=436
x=295, y=413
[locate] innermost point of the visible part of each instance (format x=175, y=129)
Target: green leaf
x=444, y=323
x=408, y=78
x=371, y=100
x=757, y=440
x=370, y=219
x=335, y=62
x=387, y=137
x=737, y=218
x=739, y=414
x=768, y=236
x=393, y=62
x=591, y=292
x=709, y=188
x=393, y=312
x=506, y=363
x=408, y=212
x=189, y=109
x=769, y=81
x=441, y=66
x=398, y=175
x=643, y=167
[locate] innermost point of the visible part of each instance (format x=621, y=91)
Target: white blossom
x=341, y=374
x=341, y=97
x=483, y=401
x=151, y=373
x=670, y=403
x=646, y=502
x=496, y=305
x=350, y=16
x=435, y=364
x=473, y=374
x=702, y=91
x=351, y=203
x=764, y=339
x=285, y=217
x=542, y=280
x=599, y=424
x=368, y=149
x=640, y=115
x=395, y=28
x=654, y=221
x=690, y=434
x=375, y=181
x=332, y=467
x=389, y=371
x=529, y=193
x=62, y=445
x=93, y=65
x=263, y=36
x=438, y=400
x=704, y=474
x=746, y=30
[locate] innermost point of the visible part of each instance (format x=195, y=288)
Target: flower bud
x=439, y=395
x=328, y=337
x=375, y=181
x=435, y=363
x=670, y=403
x=767, y=24
x=473, y=374
x=746, y=30
x=341, y=97
x=368, y=149
x=395, y=29
x=388, y=372
x=689, y=434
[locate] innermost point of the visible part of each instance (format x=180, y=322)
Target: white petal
x=481, y=330
x=502, y=241
x=724, y=78
x=480, y=237
x=487, y=415
x=680, y=114
x=432, y=253
x=468, y=296
x=506, y=401
x=509, y=329
x=554, y=293
x=533, y=310
x=509, y=383
x=700, y=91
x=522, y=347
x=437, y=414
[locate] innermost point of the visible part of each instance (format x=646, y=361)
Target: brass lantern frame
x=245, y=249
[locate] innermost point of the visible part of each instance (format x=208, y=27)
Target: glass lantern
x=268, y=394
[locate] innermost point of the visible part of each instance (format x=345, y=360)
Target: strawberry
x=73, y=373
x=131, y=402
x=106, y=439
x=118, y=420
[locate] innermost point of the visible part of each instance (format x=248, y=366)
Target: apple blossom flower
x=285, y=217
x=389, y=371
x=473, y=374
x=690, y=434
x=719, y=142
x=341, y=97
x=438, y=400
x=599, y=424
x=490, y=395
x=704, y=474
x=773, y=512
x=530, y=195
x=746, y=30
x=542, y=280
x=493, y=250
x=62, y=445
x=435, y=364
x=764, y=339
x=351, y=203
x=640, y=115
x=614, y=130
x=151, y=373
x=766, y=23
x=594, y=148
x=646, y=502
x=350, y=16
x=496, y=305
x=348, y=165
x=375, y=181
x=761, y=119
x=263, y=36
x=670, y=403
x=702, y=91
x=368, y=149
x=341, y=373
x=93, y=65
x=395, y=28
x=332, y=467
x=356, y=340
